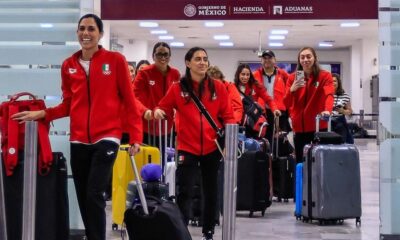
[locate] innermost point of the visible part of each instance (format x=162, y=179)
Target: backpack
x=254, y=118
x=13, y=133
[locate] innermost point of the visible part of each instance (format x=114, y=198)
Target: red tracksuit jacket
x=259, y=91
x=236, y=101
x=308, y=101
x=195, y=134
x=149, y=87
x=94, y=102
x=279, y=86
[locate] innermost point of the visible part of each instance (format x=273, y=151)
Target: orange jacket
x=94, y=102
x=279, y=86
x=149, y=87
x=195, y=134
x=306, y=102
x=236, y=101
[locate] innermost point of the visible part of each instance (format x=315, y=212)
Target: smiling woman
x=91, y=79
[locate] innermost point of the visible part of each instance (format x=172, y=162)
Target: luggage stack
x=331, y=189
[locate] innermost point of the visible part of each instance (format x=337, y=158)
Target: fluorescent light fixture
x=226, y=44
x=275, y=44
x=46, y=25
x=214, y=24
x=325, y=44
x=277, y=37
x=279, y=32
x=221, y=37
x=159, y=31
x=350, y=24
x=148, y=24
x=166, y=37
x=177, y=44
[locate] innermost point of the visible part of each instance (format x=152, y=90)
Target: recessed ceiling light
x=177, y=44
x=279, y=31
x=148, y=24
x=275, y=44
x=221, y=37
x=166, y=37
x=350, y=24
x=214, y=24
x=158, y=31
x=46, y=25
x=325, y=44
x=276, y=37
x=226, y=44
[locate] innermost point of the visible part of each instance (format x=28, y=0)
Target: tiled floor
x=279, y=222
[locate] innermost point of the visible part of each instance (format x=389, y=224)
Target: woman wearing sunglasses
x=151, y=84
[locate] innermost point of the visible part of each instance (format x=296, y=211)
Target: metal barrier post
x=230, y=181
x=29, y=189
x=3, y=220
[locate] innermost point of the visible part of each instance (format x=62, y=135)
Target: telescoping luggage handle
x=142, y=197
x=318, y=119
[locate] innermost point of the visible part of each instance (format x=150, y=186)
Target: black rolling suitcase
x=153, y=218
x=253, y=182
x=283, y=165
x=52, y=218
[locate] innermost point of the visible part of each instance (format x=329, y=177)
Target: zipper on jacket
x=201, y=135
x=305, y=105
x=89, y=103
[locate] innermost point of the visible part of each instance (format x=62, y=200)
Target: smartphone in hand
x=299, y=75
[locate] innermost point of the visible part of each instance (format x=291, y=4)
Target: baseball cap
x=268, y=53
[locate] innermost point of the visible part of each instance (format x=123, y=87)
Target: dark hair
x=339, y=90
x=161, y=44
x=315, y=68
x=252, y=81
x=140, y=63
x=98, y=21
x=186, y=81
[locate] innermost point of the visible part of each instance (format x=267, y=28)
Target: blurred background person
x=141, y=64
x=341, y=109
x=234, y=96
x=274, y=80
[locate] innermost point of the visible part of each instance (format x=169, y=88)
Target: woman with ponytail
x=196, y=138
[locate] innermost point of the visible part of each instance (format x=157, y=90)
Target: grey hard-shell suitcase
x=331, y=183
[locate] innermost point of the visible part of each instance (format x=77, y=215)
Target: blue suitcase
x=299, y=190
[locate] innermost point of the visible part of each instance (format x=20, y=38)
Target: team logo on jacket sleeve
x=106, y=69
x=152, y=82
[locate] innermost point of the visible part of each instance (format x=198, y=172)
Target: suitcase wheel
x=114, y=227
x=358, y=222
x=251, y=214
x=263, y=213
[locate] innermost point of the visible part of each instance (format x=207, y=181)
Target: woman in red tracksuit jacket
x=151, y=84
x=195, y=135
x=95, y=86
x=249, y=86
x=307, y=97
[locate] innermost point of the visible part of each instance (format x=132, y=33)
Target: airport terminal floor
x=279, y=222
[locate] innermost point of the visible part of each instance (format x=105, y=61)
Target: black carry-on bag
x=153, y=218
x=283, y=164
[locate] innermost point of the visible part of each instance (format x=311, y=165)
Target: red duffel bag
x=13, y=133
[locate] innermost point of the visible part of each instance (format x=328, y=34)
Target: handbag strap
x=204, y=111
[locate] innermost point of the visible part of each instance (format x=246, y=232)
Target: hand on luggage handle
x=142, y=197
x=326, y=117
